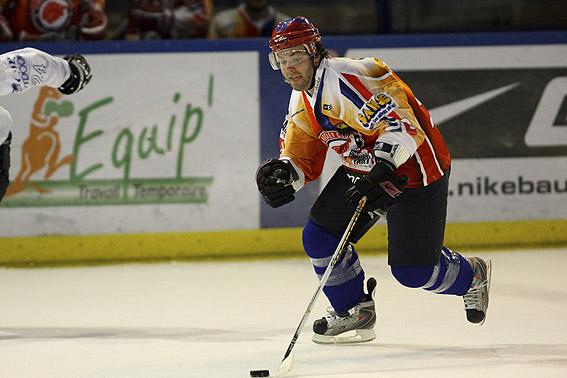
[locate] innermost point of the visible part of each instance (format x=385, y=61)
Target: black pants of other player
x=5, y=166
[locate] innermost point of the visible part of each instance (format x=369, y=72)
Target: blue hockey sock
x=451, y=275
x=344, y=288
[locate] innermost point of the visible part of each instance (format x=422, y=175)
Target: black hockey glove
x=81, y=74
x=380, y=186
x=274, y=180
x=5, y=166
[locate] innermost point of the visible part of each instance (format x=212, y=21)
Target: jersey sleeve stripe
x=351, y=95
x=322, y=119
x=314, y=124
x=428, y=164
x=358, y=86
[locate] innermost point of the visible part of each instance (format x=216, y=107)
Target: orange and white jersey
x=363, y=111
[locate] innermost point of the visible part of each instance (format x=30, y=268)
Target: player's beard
x=302, y=83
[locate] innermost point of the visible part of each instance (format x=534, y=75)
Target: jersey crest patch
x=375, y=109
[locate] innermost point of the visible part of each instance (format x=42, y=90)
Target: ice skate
x=476, y=299
x=357, y=326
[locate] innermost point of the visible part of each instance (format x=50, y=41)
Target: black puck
x=259, y=373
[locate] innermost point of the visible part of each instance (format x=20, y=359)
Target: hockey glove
x=380, y=186
x=274, y=180
x=81, y=74
x=5, y=166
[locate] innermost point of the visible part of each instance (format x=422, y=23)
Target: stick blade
x=285, y=365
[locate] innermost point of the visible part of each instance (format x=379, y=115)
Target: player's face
x=297, y=67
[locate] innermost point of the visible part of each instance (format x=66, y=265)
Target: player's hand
x=274, y=179
x=380, y=186
x=81, y=74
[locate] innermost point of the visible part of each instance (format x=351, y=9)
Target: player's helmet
x=297, y=31
x=294, y=32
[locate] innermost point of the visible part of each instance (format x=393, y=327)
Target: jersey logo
x=51, y=15
x=334, y=139
x=390, y=188
x=20, y=74
x=375, y=109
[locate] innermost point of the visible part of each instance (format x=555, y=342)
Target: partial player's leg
x=416, y=226
x=352, y=316
x=5, y=166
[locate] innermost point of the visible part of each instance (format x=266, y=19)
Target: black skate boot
x=476, y=299
x=357, y=326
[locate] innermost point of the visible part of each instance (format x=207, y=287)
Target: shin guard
x=344, y=289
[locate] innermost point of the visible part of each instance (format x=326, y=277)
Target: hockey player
x=392, y=153
x=52, y=20
x=21, y=70
x=164, y=19
x=251, y=18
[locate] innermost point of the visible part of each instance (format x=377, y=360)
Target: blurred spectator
x=252, y=18
x=52, y=20
x=164, y=19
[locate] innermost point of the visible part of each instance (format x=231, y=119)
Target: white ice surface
x=224, y=319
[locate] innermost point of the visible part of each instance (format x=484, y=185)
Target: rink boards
x=160, y=154
x=252, y=244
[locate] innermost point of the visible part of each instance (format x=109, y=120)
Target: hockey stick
x=287, y=361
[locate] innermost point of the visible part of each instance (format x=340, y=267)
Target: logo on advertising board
x=497, y=113
x=513, y=113
x=49, y=173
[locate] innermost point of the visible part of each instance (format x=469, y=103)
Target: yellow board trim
x=278, y=242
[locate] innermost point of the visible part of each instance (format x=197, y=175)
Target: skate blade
x=488, y=276
x=350, y=337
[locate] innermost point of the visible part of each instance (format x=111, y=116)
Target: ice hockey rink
x=223, y=319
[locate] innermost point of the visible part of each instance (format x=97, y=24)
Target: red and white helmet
x=297, y=31
x=294, y=32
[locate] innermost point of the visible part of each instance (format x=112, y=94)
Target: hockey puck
x=259, y=373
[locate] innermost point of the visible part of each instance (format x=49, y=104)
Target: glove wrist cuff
x=297, y=175
x=380, y=169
